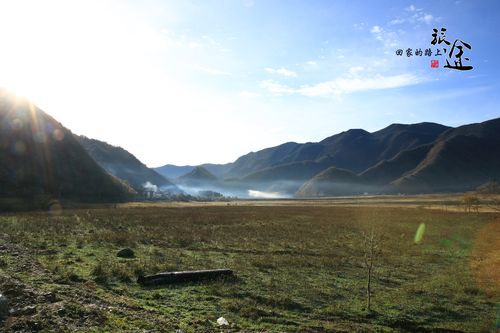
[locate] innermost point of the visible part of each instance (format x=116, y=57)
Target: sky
x=191, y=82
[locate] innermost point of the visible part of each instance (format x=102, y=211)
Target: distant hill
x=173, y=171
x=198, y=174
x=41, y=158
x=354, y=150
x=332, y=182
x=218, y=170
x=374, y=180
x=285, y=178
x=122, y=164
x=286, y=167
x=460, y=159
x=387, y=171
x=415, y=158
x=198, y=181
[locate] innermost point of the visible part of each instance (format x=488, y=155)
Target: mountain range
x=41, y=158
x=460, y=159
x=416, y=158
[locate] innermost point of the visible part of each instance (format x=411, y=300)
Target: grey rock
x=27, y=310
x=4, y=307
x=48, y=297
x=126, y=253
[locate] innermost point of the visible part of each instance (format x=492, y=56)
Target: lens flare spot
x=58, y=134
x=16, y=124
x=420, y=233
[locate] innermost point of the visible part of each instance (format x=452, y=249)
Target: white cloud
x=397, y=21
x=358, y=26
x=310, y=65
x=427, y=18
x=281, y=71
x=276, y=88
x=413, y=16
x=355, y=70
x=343, y=86
x=376, y=29
x=412, y=8
x=387, y=37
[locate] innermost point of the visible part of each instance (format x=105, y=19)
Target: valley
x=299, y=267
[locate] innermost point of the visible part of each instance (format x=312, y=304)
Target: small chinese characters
x=415, y=52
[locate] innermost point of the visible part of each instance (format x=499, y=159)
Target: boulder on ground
x=4, y=307
x=126, y=253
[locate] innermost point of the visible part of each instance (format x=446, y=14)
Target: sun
x=58, y=54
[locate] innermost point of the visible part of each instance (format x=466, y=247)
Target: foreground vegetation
x=300, y=268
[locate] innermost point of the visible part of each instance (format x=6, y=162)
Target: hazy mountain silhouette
x=199, y=180
x=332, y=182
x=173, y=171
x=198, y=174
x=374, y=180
x=460, y=159
x=354, y=150
x=388, y=170
x=42, y=159
x=122, y=164
x=286, y=167
x=39, y=158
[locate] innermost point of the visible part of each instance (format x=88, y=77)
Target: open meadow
x=300, y=267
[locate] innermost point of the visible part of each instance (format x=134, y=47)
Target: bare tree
x=371, y=247
x=471, y=202
x=492, y=192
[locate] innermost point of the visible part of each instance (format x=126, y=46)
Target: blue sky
x=187, y=82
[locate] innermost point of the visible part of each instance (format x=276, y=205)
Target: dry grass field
x=299, y=267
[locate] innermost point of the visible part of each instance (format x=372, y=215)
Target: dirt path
x=38, y=301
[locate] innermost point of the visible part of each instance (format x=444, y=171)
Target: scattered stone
x=222, y=321
x=48, y=297
x=29, y=310
x=4, y=307
x=126, y=253
x=25, y=311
